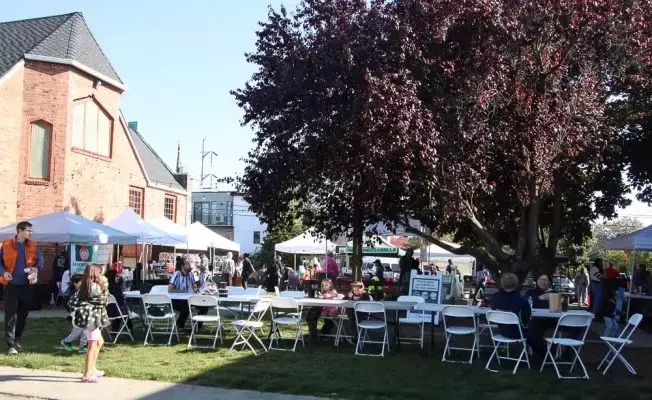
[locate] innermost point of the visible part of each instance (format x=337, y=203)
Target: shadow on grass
x=325, y=371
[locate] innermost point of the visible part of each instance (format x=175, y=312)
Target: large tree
x=520, y=91
x=340, y=129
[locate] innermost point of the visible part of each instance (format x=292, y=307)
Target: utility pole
x=205, y=153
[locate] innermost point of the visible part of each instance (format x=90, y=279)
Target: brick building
x=64, y=143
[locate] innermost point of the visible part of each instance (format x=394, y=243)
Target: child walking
x=76, y=333
x=90, y=313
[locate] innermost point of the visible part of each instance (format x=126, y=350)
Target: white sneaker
x=133, y=315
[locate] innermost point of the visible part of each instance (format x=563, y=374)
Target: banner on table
x=81, y=255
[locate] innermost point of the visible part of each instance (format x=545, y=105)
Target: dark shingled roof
x=62, y=36
x=156, y=169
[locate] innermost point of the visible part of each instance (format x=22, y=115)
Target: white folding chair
x=617, y=344
x=159, y=289
x=419, y=318
x=208, y=302
x=293, y=294
x=576, y=320
x=495, y=319
x=366, y=325
x=235, y=291
x=124, y=319
x=464, y=312
x=162, y=303
x=277, y=291
x=246, y=329
x=285, y=312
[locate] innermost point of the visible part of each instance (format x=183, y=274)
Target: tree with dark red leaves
x=520, y=91
x=340, y=129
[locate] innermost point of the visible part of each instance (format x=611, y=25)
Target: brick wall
x=92, y=186
x=11, y=103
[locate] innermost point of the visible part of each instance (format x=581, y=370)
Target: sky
x=180, y=60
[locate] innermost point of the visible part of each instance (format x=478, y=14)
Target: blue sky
x=179, y=60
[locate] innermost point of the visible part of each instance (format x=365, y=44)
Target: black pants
x=244, y=280
x=313, y=316
x=18, y=301
x=184, y=312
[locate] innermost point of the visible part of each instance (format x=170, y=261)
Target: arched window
x=40, y=143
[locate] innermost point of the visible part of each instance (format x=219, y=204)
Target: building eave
x=11, y=71
x=79, y=66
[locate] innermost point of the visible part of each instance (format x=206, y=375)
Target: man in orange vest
x=20, y=261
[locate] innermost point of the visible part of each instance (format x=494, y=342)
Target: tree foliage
x=506, y=123
x=520, y=91
x=339, y=126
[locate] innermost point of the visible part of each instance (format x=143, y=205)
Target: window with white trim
x=40, y=141
x=91, y=128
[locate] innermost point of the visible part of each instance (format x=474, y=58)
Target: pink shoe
x=90, y=379
x=98, y=373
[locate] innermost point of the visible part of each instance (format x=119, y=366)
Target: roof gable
x=157, y=171
x=61, y=37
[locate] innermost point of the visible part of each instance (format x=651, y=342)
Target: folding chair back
x=201, y=300
x=123, y=329
x=499, y=318
x=235, y=291
x=260, y=309
x=575, y=319
x=293, y=294
x=159, y=289
x=457, y=312
x=415, y=315
x=156, y=299
x=286, y=304
x=369, y=307
x=631, y=326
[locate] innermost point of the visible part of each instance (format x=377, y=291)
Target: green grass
x=323, y=370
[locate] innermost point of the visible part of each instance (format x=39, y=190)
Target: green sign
x=368, y=250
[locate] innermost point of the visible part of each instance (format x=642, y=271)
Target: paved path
x=27, y=383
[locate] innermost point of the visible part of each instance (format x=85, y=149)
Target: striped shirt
x=183, y=283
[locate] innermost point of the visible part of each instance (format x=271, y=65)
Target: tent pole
x=631, y=284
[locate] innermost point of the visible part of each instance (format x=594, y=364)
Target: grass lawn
x=323, y=370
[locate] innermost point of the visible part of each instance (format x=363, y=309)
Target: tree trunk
x=356, y=256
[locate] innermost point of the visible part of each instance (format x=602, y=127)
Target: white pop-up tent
x=172, y=229
x=64, y=227
x=131, y=223
x=201, y=238
x=305, y=243
x=436, y=253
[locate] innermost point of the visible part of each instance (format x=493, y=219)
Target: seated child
x=328, y=292
x=75, y=333
x=357, y=294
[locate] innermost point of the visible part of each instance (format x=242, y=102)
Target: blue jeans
x=611, y=327
x=597, y=297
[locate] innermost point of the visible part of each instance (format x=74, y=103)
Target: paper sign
x=82, y=255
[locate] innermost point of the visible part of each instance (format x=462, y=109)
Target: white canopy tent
x=306, y=244
x=166, y=225
x=64, y=227
x=200, y=237
x=436, y=253
x=131, y=223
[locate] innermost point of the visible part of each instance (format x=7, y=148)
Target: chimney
x=133, y=125
x=178, y=157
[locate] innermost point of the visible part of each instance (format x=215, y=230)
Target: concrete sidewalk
x=66, y=386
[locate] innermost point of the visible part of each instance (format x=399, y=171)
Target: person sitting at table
x=509, y=299
x=357, y=293
x=115, y=289
x=183, y=281
x=328, y=292
x=540, y=293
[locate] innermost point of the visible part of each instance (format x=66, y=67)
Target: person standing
x=407, y=263
x=20, y=262
x=581, y=282
x=228, y=268
x=596, y=274
x=247, y=269
x=329, y=266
